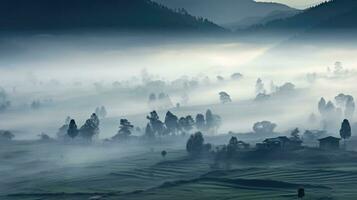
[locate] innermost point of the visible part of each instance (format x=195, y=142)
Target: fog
x=49, y=77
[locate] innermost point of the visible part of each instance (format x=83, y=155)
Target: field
x=57, y=171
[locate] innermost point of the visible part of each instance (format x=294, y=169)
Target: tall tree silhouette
x=345, y=131
x=72, y=129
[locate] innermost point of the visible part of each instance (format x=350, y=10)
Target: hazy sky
x=297, y=3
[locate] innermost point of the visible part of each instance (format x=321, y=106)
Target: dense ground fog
x=46, y=78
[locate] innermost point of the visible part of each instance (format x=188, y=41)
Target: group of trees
x=347, y=104
x=228, y=152
x=262, y=94
x=331, y=113
x=195, y=144
x=101, y=112
x=160, y=101
x=6, y=135
x=174, y=125
x=264, y=127
x=88, y=131
x=4, y=102
x=224, y=97
x=125, y=130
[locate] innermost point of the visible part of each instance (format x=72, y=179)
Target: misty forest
x=178, y=99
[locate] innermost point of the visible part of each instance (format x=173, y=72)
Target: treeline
x=172, y=125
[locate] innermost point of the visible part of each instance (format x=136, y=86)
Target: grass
x=144, y=174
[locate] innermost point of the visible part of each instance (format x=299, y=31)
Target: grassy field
x=33, y=171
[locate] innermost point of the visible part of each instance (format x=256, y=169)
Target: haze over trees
x=171, y=122
x=90, y=128
x=264, y=127
x=160, y=101
x=101, y=112
x=224, y=97
x=4, y=102
x=125, y=130
x=347, y=104
x=332, y=113
x=6, y=135
x=62, y=131
x=195, y=144
x=259, y=87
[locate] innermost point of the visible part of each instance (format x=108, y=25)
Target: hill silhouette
x=226, y=11
x=59, y=15
x=330, y=15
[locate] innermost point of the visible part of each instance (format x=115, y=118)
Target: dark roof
x=283, y=139
x=330, y=138
x=277, y=139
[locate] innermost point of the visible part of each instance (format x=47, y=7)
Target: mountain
x=330, y=15
x=62, y=15
x=254, y=21
x=226, y=11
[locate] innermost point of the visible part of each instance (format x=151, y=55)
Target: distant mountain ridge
x=332, y=15
x=24, y=15
x=226, y=11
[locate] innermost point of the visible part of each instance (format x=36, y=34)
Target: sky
x=297, y=3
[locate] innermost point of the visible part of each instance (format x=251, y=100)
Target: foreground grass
x=28, y=173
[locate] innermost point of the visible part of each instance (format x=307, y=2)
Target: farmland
x=30, y=171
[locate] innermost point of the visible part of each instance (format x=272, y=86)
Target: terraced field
x=144, y=174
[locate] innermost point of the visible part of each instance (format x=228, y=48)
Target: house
x=329, y=143
x=243, y=145
x=313, y=135
x=282, y=143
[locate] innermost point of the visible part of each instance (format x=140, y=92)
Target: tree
x=149, y=133
x=125, y=129
x=67, y=120
x=346, y=102
x=163, y=153
x=259, y=87
x=287, y=87
x=6, y=135
x=330, y=107
x=200, y=122
x=264, y=127
x=164, y=101
x=213, y=122
x=322, y=106
x=190, y=122
x=72, y=129
x=232, y=146
x=350, y=108
x=220, y=78
x=62, y=131
x=4, y=102
x=186, y=123
x=155, y=123
x=101, y=112
x=194, y=144
x=209, y=119
x=90, y=128
x=171, y=122
x=345, y=131
x=301, y=193
x=295, y=134
x=236, y=76
x=224, y=97
x=44, y=137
